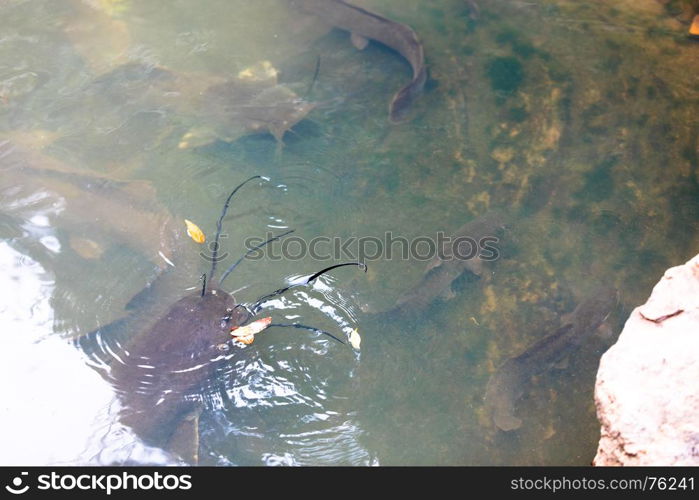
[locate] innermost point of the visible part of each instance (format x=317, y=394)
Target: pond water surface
x=576, y=121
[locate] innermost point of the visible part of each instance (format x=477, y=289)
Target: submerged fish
x=252, y=103
x=510, y=381
x=92, y=208
x=362, y=25
x=226, y=109
x=446, y=267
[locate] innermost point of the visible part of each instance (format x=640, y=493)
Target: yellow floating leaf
x=694, y=28
x=194, y=232
x=355, y=339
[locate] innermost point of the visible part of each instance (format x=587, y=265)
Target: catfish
x=440, y=272
x=253, y=102
x=95, y=209
x=161, y=371
x=211, y=107
x=362, y=25
x=511, y=380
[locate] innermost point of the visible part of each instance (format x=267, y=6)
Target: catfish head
x=194, y=331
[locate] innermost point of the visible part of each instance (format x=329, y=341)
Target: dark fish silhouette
x=362, y=25
x=251, y=103
x=446, y=267
x=508, y=384
x=96, y=209
x=161, y=369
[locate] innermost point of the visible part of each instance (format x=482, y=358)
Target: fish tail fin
x=278, y=151
x=184, y=442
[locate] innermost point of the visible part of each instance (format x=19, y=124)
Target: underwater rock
x=646, y=395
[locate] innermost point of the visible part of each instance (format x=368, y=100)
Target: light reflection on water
x=55, y=408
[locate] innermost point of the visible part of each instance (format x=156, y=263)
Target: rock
x=646, y=393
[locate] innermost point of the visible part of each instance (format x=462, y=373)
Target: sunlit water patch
x=56, y=409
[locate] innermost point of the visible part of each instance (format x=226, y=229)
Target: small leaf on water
x=247, y=340
x=355, y=339
x=194, y=232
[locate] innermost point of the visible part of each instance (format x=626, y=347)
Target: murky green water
x=577, y=120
